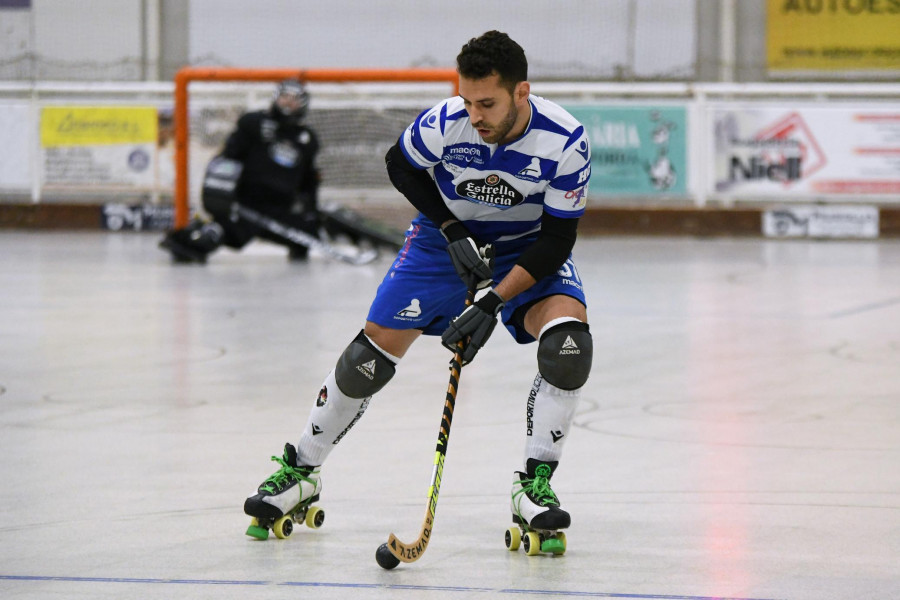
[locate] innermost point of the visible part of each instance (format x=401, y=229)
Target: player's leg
x=293, y=217
x=565, y=349
x=194, y=242
x=409, y=299
x=361, y=371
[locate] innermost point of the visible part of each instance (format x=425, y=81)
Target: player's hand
x=469, y=259
x=474, y=326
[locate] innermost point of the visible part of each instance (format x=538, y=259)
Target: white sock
x=549, y=419
x=330, y=420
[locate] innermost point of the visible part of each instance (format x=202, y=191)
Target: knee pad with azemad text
x=565, y=352
x=363, y=369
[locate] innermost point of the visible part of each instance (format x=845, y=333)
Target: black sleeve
x=552, y=247
x=308, y=187
x=417, y=186
x=238, y=144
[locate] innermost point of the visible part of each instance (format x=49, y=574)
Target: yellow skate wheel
x=315, y=516
x=513, y=539
x=531, y=543
x=283, y=527
x=562, y=538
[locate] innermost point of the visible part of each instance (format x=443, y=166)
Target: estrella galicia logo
x=492, y=191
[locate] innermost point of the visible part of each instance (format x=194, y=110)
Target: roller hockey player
x=492, y=167
x=272, y=170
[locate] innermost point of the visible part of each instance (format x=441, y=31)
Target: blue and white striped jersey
x=500, y=192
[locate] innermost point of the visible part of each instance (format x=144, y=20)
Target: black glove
x=475, y=325
x=469, y=259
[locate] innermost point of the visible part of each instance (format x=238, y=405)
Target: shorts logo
x=492, y=191
x=411, y=311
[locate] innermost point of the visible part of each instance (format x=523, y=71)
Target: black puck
x=385, y=559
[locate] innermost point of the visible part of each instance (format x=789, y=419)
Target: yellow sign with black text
x=97, y=126
x=833, y=35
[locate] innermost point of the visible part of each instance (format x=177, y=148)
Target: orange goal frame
x=188, y=74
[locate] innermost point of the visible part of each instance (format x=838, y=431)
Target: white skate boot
x=536, y=511
x=287, y=495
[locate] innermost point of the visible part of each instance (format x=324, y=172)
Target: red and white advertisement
x=806, y=151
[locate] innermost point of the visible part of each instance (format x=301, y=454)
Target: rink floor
x=739, y=436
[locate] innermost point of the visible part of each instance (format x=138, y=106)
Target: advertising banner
x=636, y=150
x=17, y=138
x=803, y=151
x=833, y=35
x=99, y=146
x=821, y=222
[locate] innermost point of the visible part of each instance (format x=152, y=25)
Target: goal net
x=357, y=115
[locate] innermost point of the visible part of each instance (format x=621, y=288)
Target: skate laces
x=539, y=488
x=283, y=476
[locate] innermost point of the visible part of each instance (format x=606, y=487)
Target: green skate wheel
x=513, y=539
x=315, y=516
x=283, y=527
x=531, y=543
x=554, y=545
x=256, y=530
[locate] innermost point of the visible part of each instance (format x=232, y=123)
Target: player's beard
x=502, y=129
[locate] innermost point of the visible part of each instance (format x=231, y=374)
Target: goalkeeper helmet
x=291, y=99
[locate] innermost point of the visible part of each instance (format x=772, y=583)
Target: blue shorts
x=422, y=290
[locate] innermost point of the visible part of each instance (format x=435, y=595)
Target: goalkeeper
x=268, y=164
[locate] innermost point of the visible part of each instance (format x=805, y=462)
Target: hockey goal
x=357, y=113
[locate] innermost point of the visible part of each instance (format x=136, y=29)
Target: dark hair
x=493, y=52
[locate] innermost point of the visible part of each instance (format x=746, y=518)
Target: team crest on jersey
x=493, y=190
x=532, y=172
x=284, y=154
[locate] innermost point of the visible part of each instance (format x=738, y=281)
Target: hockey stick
x=301, y=237
x=411, y=552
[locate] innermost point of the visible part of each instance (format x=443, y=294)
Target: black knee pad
x=565, y=352
x=362, y=370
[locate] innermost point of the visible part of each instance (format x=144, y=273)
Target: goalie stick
x=411, y=552
x=301, y=237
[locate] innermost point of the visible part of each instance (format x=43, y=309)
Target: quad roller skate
x=284, y=498
x=536, y=512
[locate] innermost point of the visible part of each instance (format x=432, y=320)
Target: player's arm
x=470, y=257
x=417, y=187
x=238, y=144
x=564, y=203
x=542, y=258
x=308, y=188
